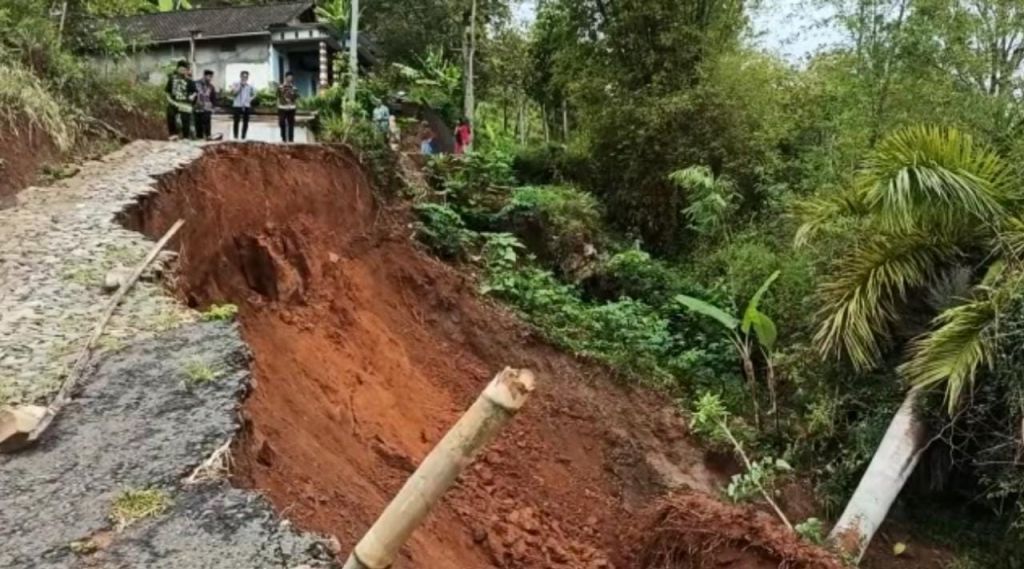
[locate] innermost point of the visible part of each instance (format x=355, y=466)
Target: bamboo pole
x=498, y=403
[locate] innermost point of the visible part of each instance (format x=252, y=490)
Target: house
x=267, y=41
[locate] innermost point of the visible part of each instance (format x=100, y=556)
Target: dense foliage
x=47, y=81
x=644, y=172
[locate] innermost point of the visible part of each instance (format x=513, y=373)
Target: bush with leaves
x=442, y=229
x=26, y=103
x=560, y=224
x=712, y=200
x=477, y=184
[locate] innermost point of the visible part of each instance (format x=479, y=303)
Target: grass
x=133, y=505
x=109, y=343
x=198, y=372
x=167, y=319
x=85, y=275
x=24, y=101
x=7, y=391
x=220, y=313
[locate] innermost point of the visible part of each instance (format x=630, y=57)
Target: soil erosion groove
x=365, y=350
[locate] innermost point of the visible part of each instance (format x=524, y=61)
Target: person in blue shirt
x=241, y=104
x=427, y=144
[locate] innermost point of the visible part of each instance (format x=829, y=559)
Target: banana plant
x=750, y=327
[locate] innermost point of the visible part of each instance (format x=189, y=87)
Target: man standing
x=381, y=117
x=181, y=91
x=206, y=100
x=241, y=105
x=287, y=96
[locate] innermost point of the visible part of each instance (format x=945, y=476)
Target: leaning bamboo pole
x=498, y=403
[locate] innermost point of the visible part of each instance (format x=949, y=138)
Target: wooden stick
x=498, y=403
x=64, y=393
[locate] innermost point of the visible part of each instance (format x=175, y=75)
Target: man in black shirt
x=181, y=93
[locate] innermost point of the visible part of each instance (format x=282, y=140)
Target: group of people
x=386, y=124
x=463, y=138
x=193, y=101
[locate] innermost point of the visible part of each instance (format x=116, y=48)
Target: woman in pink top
x=463, y=136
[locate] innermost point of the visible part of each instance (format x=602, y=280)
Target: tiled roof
x=215, y=22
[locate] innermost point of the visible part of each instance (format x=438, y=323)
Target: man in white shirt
x=241, y=104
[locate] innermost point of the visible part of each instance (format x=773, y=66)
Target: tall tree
x=929, y=204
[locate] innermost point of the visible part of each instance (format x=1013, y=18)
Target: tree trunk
x=353, y=58
x=469, y=109
x=547, y=132
x=565, y=121
x=894, y=461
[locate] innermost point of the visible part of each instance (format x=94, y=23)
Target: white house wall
x=226, y=58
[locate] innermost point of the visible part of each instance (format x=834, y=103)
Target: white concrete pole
x=894, y=461
x=498, y=403
x=353, y=57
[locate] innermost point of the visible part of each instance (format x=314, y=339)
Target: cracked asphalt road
x=137, y=424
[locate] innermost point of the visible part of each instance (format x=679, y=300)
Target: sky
x=791, y=28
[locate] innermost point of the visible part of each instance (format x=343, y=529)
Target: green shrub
x=628, y=335
x=478, y=184
x=634, y=273
x=442, y=229
x=25, y=101
x=550, y=164
x=220, y=313
x=742, y=264
x=561, y=225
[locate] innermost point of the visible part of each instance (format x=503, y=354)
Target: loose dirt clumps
x=366, y=350
x=693, y=531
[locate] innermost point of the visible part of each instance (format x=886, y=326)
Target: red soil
x=22, y=153
x=366, y=350
x=25, y=149
x=693, y=531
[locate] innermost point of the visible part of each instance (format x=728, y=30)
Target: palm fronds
x=921, y=178
x=954, y=350
x=963, y=338
x=1011, y=238
x=818, y=213
x=867, y=288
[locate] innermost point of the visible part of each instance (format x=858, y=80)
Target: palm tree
x=929, y=207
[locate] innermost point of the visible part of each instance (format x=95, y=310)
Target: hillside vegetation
x=788, y=248
x=53, y=103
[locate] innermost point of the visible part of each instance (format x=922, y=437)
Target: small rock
x=116, y=278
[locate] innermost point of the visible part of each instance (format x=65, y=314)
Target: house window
x=227, y=46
